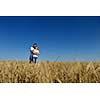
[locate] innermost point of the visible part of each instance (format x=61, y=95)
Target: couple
x=34, y=52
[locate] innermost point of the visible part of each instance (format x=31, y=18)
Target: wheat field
x=49, y=72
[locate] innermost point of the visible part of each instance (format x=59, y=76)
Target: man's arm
x=31, y=50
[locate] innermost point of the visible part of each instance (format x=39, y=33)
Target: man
x=34, y=52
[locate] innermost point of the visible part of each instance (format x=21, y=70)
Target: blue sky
x=69, y=38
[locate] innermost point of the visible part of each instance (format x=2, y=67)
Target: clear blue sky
x=70, y=38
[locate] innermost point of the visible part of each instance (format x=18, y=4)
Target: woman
x=34, y=52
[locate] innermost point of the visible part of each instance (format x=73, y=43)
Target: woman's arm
x=36, y=52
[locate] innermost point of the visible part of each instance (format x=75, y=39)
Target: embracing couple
x=34, y=52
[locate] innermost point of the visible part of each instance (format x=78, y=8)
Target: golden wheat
x=49, y=72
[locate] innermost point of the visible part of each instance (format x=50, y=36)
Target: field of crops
x=49, y=72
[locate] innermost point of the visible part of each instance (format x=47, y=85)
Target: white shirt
x=33, y=54
x=31, y=48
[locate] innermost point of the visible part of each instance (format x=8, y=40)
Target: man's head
x=34, y=45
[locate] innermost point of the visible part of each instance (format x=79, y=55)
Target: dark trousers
x=32, y=59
